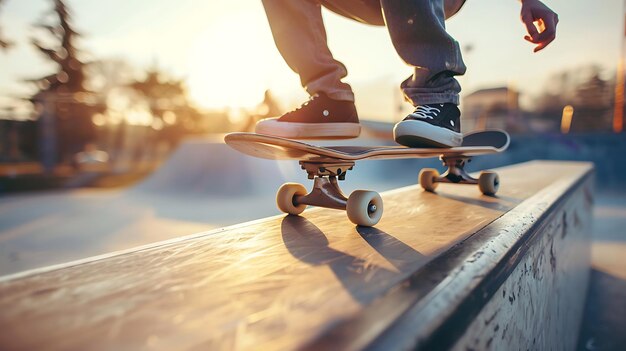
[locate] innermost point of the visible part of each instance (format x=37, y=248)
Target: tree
x=64, y=107
x=169, y=105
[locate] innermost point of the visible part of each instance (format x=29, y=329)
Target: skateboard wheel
x=285, y=198
x=364, y=208
x=488, y=182
x=428, y=179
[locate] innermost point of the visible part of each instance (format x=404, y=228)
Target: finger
x=529, y=22
x=545, y=43
x=539, y=47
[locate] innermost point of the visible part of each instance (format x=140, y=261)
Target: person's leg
x=300, y=36
x=364, y=11
x=299, y=33
x=417, y=30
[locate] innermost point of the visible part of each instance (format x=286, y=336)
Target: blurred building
x=492, y=108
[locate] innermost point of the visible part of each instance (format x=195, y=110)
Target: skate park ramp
x=207, y=166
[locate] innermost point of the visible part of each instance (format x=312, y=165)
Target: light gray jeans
x=417, y=30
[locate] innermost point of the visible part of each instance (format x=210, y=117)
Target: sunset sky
x=225, y=52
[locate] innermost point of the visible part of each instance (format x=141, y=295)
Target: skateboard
x=326, y=165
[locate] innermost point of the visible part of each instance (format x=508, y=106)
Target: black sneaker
x=319, y=118
x=432, y=125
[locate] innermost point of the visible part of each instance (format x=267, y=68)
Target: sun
x=232, y=62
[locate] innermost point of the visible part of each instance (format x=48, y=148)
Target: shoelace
x=424, y=112
x=311, y=98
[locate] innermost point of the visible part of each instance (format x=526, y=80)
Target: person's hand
x=540, y=23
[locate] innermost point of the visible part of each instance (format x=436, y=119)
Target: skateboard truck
x=326, y=191
x=321, y=169
x=488, y=182
x=456, y=170
x=362, y=207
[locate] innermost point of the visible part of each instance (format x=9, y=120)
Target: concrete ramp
x=207, y=166
x=451, y=270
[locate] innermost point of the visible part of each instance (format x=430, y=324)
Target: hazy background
x=215, y=46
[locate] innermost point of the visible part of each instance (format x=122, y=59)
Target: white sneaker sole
x=421, y=134
x=292, y=130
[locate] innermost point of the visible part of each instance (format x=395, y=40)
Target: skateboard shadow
x=498, y=206
x=400, y=255
x=361, y=278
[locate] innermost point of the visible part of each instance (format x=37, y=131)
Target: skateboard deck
x=325, y=165
x=277, y=148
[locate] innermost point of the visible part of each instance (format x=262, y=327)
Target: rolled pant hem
x=434, y=98
x=342, y=95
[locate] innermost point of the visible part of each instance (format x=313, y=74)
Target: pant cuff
x=332, y=86
x=343, y=95
x=433, y=98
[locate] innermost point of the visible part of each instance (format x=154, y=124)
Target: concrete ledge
x=519, y=283
x=449, y=270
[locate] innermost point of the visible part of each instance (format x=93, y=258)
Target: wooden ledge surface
x=277, y=283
